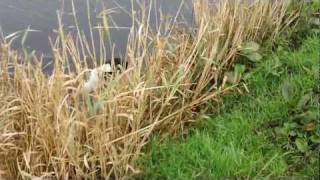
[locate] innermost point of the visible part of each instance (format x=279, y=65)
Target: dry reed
x=50, y=128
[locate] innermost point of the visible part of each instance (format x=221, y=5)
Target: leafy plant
x=250, y=50
x=161, y=90
x=236, y=75
x=300, y=133
x=275, y=68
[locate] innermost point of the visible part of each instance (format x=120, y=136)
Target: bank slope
x=273, y=131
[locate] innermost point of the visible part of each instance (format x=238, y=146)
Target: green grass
x=240, y=141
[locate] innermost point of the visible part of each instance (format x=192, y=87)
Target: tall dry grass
x=50, y=128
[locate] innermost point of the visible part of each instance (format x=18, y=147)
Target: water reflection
x=16, y=15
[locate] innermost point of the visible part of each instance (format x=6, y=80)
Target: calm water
x=41, y=15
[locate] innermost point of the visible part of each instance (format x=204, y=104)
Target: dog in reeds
x=103, y=73
x=100, y=78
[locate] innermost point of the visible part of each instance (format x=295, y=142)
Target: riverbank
x=51, y=128
x=260, y=134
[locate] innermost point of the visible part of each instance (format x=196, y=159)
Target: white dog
x=92, y=83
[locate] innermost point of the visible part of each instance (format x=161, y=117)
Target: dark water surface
x=41, y=15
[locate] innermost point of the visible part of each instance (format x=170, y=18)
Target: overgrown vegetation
x=47, y=128
x=272, y=131
x=268, y=130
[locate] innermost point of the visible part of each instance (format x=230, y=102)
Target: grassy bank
x=256, y=134
x=50, y=127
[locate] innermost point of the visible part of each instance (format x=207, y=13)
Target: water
x=41, y=15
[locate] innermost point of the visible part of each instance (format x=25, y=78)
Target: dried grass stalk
x=50, y=128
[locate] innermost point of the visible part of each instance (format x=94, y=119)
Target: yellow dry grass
x=47, y=127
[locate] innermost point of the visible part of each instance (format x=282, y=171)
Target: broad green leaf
x=238, y=71
x=254, y=57
x=239, y=68
x=302, y=145
x=235, y=76
x=250, y=47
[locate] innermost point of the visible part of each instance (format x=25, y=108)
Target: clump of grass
x=250, y=137
x=47, y=128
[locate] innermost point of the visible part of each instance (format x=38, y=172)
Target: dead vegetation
x=50, y=128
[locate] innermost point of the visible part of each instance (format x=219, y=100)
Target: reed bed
x=51, y=129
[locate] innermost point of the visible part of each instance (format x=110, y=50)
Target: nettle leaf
x=303, y=101
x=254, y=57
x=302, y=145
x=287, y=91
x=249, y=47
x=250, y=50
x=239, y=68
